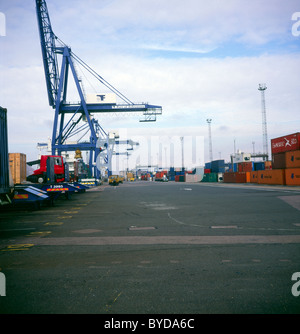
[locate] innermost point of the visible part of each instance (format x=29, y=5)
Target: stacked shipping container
x=245, y=172
x=286, y=158
x=214, y=171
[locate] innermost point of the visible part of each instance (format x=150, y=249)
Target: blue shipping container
x=259, y=165
x=207, y=165
x=217, y=166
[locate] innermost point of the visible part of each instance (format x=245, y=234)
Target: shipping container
x=218, y=166
x=207, y=165
x=211, y=177
x=253, y=176
x=179, y=178
x=4, y=164
x=229, y=177
x=268, y=165
x=260, y=165
x=286, y=143
x=17, y=164
x=237, y=177
x=245, y=166
x=193, y=177
x=232, y=167
x=278, y=160
x=292, y=176
x=243, y=177
x=292, y=159
x=275, y=176
x=207, y=171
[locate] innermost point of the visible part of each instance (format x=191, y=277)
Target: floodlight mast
x=209, y=120
x=262, y=87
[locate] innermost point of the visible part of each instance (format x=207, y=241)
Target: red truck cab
x=40, y=175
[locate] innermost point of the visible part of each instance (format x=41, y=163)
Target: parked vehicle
x=48, y=163
x=114, y=180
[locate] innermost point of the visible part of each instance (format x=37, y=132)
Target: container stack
x=245, y=172
x=214, y=171
x=179, y=175
x=286, y=158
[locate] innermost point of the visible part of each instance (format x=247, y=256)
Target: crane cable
x=96, y=75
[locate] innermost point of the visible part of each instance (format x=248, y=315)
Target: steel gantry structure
x=80, y=114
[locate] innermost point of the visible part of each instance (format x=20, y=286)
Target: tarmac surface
x=155, y=248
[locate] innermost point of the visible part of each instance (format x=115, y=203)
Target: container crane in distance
x=80, y=114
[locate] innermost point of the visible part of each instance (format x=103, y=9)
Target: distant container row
x=222, y=167
x=284, y=169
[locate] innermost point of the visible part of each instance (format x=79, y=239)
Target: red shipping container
x=245, y=167
x=286, y=143
x=207, y=171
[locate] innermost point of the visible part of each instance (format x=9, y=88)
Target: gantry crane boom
x=57, y=83
x=47, y=38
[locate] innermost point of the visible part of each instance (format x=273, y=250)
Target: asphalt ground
x=155, y=248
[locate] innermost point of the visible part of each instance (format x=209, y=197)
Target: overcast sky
x=197, y=59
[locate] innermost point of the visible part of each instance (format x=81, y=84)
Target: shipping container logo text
x=296, y=25
x=285, y=143
x=2, y=24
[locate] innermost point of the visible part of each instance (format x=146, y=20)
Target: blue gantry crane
x=73, y=118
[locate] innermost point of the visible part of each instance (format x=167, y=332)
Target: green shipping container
x=211, y=177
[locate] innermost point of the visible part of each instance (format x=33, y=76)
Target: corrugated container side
x=260, y=165
x=278, y=161
x=243, y=177
x=179, y=178
x=218, y=166
x=286, y=143
x=292, y=159
x=292, y=176
x=232, y=167
x=275, y=176
x=207, y=165
x=237, y=177
x=268, y=165
x=211, y=177
x=245, y=166
x=4, y=165
x=193, y=178
x=253, y=176
x=229, y=177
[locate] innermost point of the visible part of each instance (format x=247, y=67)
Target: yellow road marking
x=38, y=234
x=53, y=224
x=109, y=306
x=17, y=247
